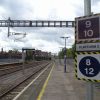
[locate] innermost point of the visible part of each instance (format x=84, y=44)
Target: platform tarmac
x=59, y=86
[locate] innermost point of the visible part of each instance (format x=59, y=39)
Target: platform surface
x=59, y=86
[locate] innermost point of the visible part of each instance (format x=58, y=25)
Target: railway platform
x=59, y=85
x=65, y=86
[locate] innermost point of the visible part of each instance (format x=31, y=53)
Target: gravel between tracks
x=4, y=86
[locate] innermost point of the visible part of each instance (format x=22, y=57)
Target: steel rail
x=15, y=86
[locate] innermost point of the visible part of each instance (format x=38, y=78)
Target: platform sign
x=88, y=28
x=88, y=66
x=87, y=37
x=88, y=47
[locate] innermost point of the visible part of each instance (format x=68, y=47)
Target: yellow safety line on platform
x=45, y=84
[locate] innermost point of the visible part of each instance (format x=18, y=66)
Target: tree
x=15, y=50
x=70, y=53
x=29, y=55
x=73, y=50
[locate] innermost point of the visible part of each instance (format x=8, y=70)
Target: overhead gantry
x=35, y=23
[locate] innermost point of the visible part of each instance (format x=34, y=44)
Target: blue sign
x=89, y=66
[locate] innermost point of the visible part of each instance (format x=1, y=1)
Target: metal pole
x=87, y=7
x=65, y=56
x=23, y=59
x=65, y=53
x=8, y=26
x=10, y=57
x=65, y=43
x=8, y=30
x=89, y=90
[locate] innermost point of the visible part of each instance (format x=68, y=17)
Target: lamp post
x=65, y=53
x=23, y=59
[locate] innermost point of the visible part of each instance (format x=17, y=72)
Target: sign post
x=87, y=11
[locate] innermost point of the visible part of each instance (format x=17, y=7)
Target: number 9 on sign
x=89, y=66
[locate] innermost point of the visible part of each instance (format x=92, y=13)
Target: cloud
x=41, y=38
x=95, y=2
x=96, y=7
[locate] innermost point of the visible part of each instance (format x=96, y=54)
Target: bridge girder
x=36, y=23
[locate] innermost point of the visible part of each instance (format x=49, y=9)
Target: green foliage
x=29, y=55
x=61, y=54
x=70, y=53
x=73, y=50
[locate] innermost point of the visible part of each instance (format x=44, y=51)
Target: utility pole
x=65, y=54
x=89, y=90
x=23, y=59
x=8, y=26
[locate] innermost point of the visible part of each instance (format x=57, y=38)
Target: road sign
x=88, y=47
x=88, y=66
x=87, y=28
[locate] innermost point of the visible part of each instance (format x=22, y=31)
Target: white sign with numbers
x=88, y=66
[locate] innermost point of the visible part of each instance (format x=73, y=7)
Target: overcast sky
x=46, y=39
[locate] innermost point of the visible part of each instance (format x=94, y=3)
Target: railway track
x=13, y=67
x=11, y=91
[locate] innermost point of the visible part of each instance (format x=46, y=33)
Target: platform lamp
x=65, y=53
